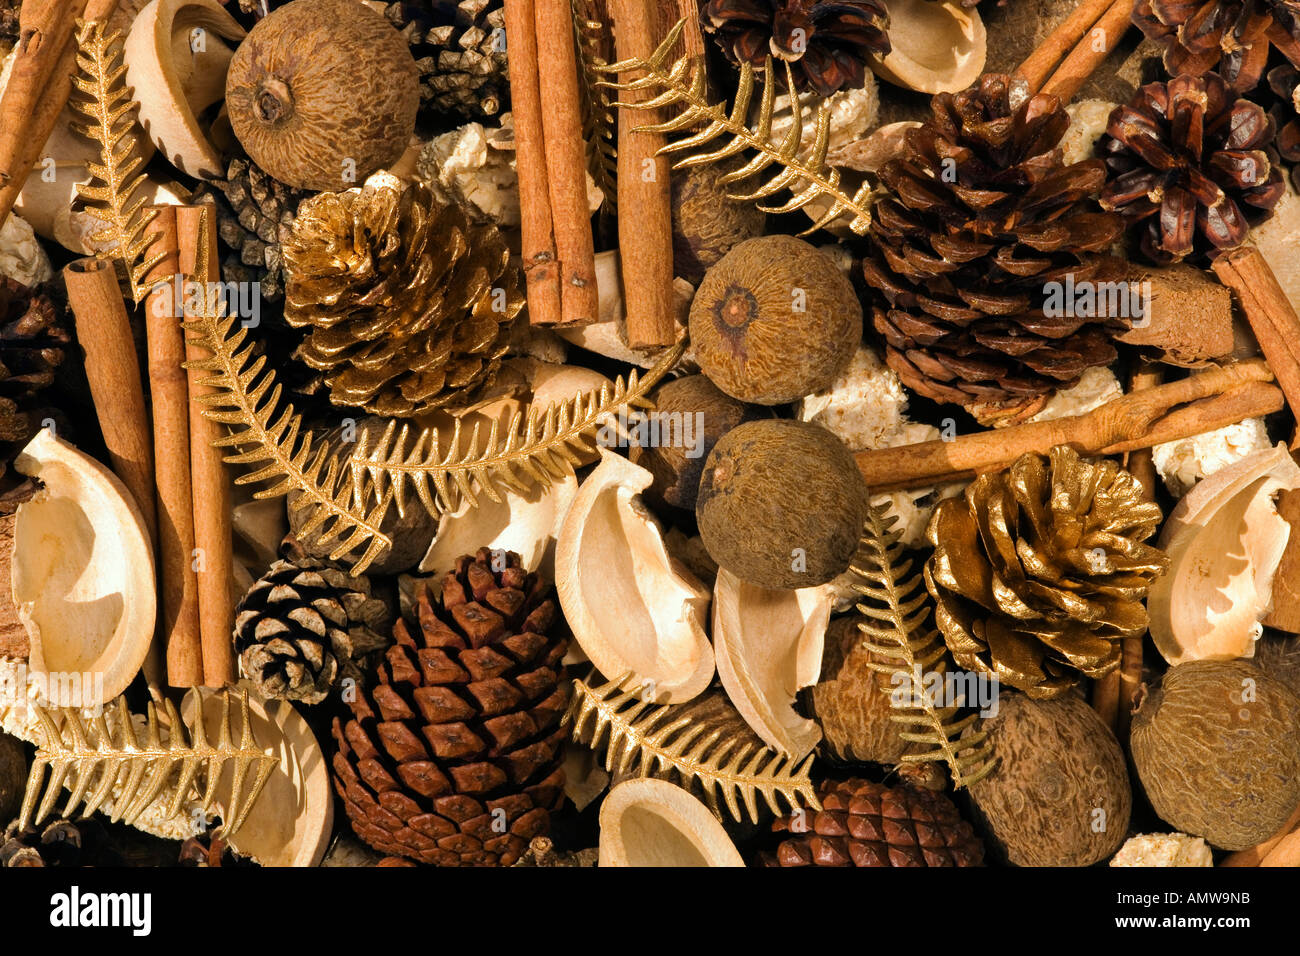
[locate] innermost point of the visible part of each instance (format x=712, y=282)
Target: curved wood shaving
x=683, y=82
x=650, y=740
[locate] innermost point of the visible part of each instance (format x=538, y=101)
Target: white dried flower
x=1095, y=388
x=21, y=256
x=1164, y=849
x=853, y=112
x=1183, y=463
x=461, y=166
x=1088, y=121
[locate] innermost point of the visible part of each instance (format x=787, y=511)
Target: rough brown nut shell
x=781, y=504
x=774, y=320
x=1217, y=747
x=322, y=93
x=706, y=224
x=1060, y=795
x=699, y=406
x=13, y=776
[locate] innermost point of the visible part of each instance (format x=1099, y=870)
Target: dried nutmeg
x=707, y=224
x=781, y=504
x=322, y=93
x=774, y=320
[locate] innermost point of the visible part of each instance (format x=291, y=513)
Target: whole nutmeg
x=774, y=320
x=1217, y=748
x=781, y=504
x=693, y=414
x=322, y=93
x=1060, y=794
x=707, y=224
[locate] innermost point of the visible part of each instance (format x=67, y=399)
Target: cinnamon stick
x=645, y=231
x=566, y=161
x=169, y=390
x=541, y=271
x=1096, y=45
x=1213, y=398
x=210, y=485
x=1038, y=66
x=1268, y=310
x=113, y=370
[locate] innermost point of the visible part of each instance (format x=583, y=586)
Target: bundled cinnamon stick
x=1062, y=63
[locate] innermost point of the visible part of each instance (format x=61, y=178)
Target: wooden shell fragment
x=650, y=822
x=938, y=47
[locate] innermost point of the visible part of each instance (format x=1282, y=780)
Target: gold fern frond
x=808, y=178
x=598, y=131
x=538, y=446
x=246, y=399
x=897, y=599
x=96, y=763
x=110, y=113
x=722, y=755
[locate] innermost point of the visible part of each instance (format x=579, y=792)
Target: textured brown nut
x=322, y=93
x=13, y=776
x=1217, y=748
x=1060, y=794
x=774, y=320
x=781, y=504
x=706, y=224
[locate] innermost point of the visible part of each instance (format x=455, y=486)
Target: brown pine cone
x=59, y=843
x=409, y=305
x=453, y=756
x=303, y=626
x=1284, y=83
x=8, y=22
x=982, y=219
x=1193, y=167
x=1230, y=37
x=459, y=48
x=826, y=42
x=32, y=344
x=868, y=824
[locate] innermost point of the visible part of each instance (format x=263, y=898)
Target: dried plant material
x=703, y=744
x=631, y=606
x=599, y=131
x=1225, y=541
x=1163, y=849
x=682, y=82
x=649, y=822
x=110, y=115
x=541, y=852
x=903, y=641
x=768, y=646
x=474, y=165
x=22, y=258
x=80, y=755
x=1181, y=464
x=1039, y=572
x=937, y=47
x=13, y=774
x=82, y=574
x=460, y=51
x=1188, y=318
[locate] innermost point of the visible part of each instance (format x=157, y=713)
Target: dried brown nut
x=707, y=224
x=774, y=320
x=322, y=93
x=781, y=504
x=13, y=776
x=1060, y=794
x=1217, y=750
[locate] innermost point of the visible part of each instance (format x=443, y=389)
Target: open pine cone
x=32, y=344
x=409, y=305
x=453, y=757
x=1284, y=81
x=827, y=44
x=1193, y=167
x=1230, y=37
x=1040, y=571
x=868, y=824
x=459, y=48
x=982, y=215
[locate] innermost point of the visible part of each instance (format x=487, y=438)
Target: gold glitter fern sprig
x=598, y=130
x=809, y=177
x=110, y=113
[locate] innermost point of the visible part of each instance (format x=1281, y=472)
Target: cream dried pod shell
x=649, y=822
x=936, y=47
x=1224, y=541
x=632, y=607
x=768, y=645
x=82, y=572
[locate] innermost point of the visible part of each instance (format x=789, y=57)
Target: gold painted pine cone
x=409, y=305
x=1040, y=571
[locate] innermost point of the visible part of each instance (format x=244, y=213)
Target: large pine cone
x=1039, y=572
x=459, y=48
x=827, y=44
x=1193, y=167
x=983, y=217
x=453, y=757
x=868, y=824
x=1230, y=37
x=32, y=344
x=303, y=626
x=409, y=304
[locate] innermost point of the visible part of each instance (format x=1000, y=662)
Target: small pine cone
x=868, y=824
x=1230, y=37
x=460, y=51
x=304, y=626
x=1193, y=167
x=32, y=346
x=1284, y=83
x=453, y=757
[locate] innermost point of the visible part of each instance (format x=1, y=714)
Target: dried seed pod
x=781, y=504
x=1217, y=750
x=774, y=320
x=322, y=93
x=706, y=223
